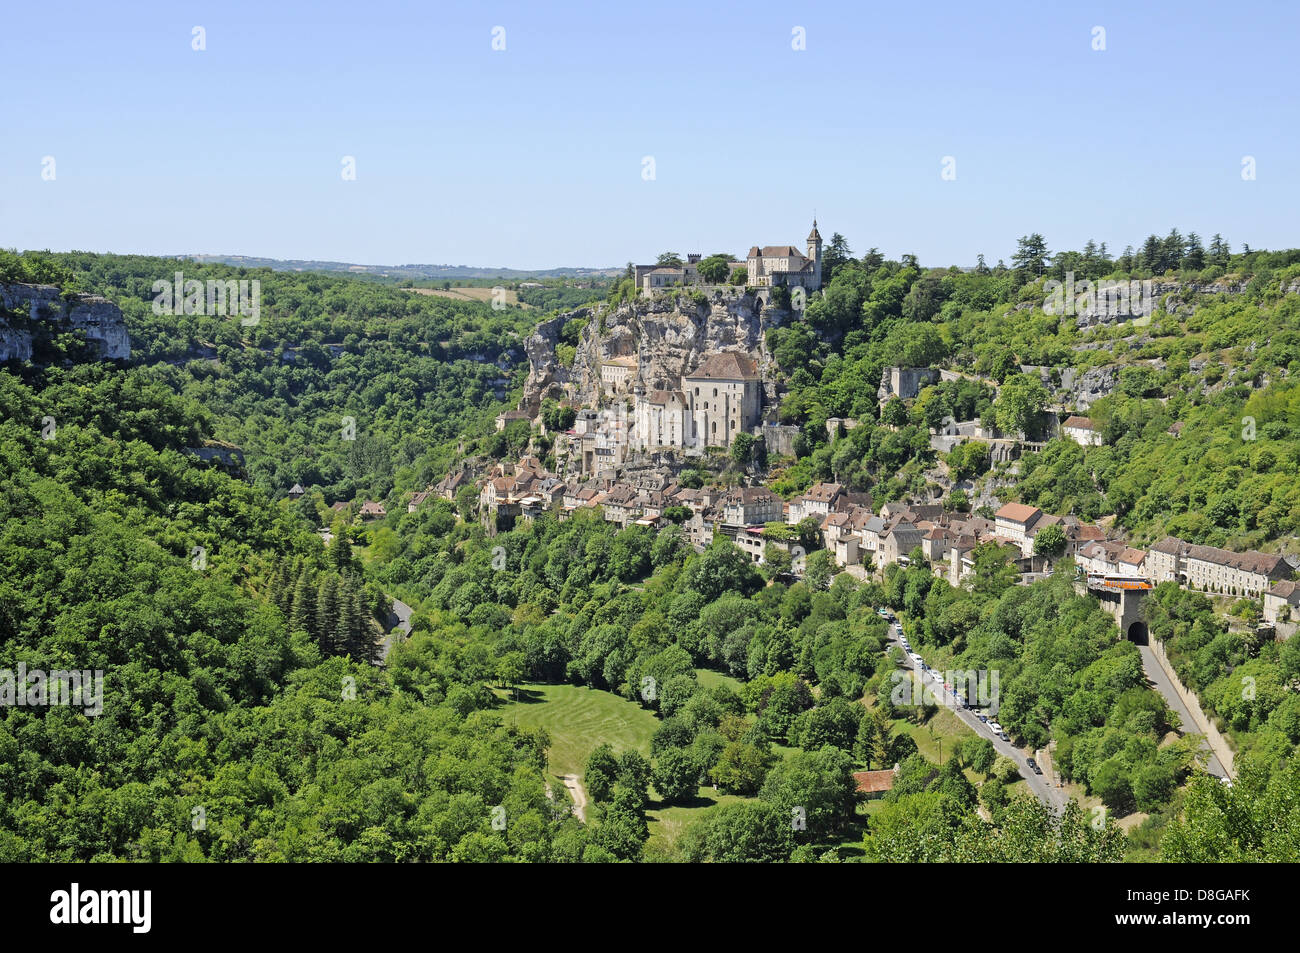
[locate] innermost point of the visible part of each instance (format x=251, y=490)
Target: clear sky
x=532, y=156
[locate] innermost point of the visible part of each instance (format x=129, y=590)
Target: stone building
x=722, y=398
x=785, y=266
x=1214, y=570
x=751, y=506
x=1280, y=601
x=616, y=373
x=650, y=278
x=904, y=382
x=1082, y=430
x=725, y=395
x=1015, y=522
x=661, y=419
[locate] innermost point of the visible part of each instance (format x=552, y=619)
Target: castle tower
x=815, y=253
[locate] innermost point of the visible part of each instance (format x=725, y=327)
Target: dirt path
x=579, y=796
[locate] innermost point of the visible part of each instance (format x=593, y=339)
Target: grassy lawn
x=578, y=719
x=668, y=822
x=938, y=737
x=711, y=679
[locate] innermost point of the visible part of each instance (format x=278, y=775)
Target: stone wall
x=1218, y=744
x=779, y=439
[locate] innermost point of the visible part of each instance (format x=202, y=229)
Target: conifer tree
x=327, y=613
x=302, y=614
x=346, y=635
x=340, y=551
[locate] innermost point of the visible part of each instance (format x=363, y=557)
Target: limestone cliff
x=668, y=335
x=26, y=310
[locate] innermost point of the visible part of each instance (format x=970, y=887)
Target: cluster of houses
x=857, y=535
x=1253, y=574
x=525, y=490
x=860, y=537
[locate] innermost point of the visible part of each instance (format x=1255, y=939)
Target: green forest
x=250, y=714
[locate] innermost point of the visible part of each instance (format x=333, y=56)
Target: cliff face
x=668, y=336
x=24, y=308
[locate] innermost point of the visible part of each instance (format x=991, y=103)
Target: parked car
x=995, y=727
x=982, y=717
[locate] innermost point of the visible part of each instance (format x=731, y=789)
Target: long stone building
x=1214, y=570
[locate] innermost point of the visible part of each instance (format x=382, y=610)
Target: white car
x=995, y=727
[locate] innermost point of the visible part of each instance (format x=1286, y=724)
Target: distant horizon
x=413, y=134
x=1112, y=249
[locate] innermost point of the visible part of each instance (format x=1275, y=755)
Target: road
x=1050, y=795
x=1155, y=674
x=399, y=620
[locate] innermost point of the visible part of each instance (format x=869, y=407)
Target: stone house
x=751, y=506
x=1212, y=569
x=1015, y=522
x=1280, y=601
x=1082, y=431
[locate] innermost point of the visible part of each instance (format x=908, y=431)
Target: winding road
x=1155, y=674
x=1053, y=797
x=399, y=620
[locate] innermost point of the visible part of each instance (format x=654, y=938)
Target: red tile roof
x=1017, y=512
x=874, y=782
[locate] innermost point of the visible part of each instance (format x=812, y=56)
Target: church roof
x=814, y=235
x=775, y=251
x=726, y=366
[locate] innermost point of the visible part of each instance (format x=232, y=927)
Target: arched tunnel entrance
x=1137, y=633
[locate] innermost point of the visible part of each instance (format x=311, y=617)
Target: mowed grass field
x=578, y=719
x=469, y=294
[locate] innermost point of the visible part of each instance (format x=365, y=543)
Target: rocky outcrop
x=1092, y=385
x=668, y=336
x=26, y=310
x=546, y=376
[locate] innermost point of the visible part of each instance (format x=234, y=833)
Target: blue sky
x=531, y=157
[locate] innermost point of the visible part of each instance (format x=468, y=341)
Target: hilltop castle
x=769, y=266
x=784, y=265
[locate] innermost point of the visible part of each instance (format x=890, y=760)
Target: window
x=715, y=392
